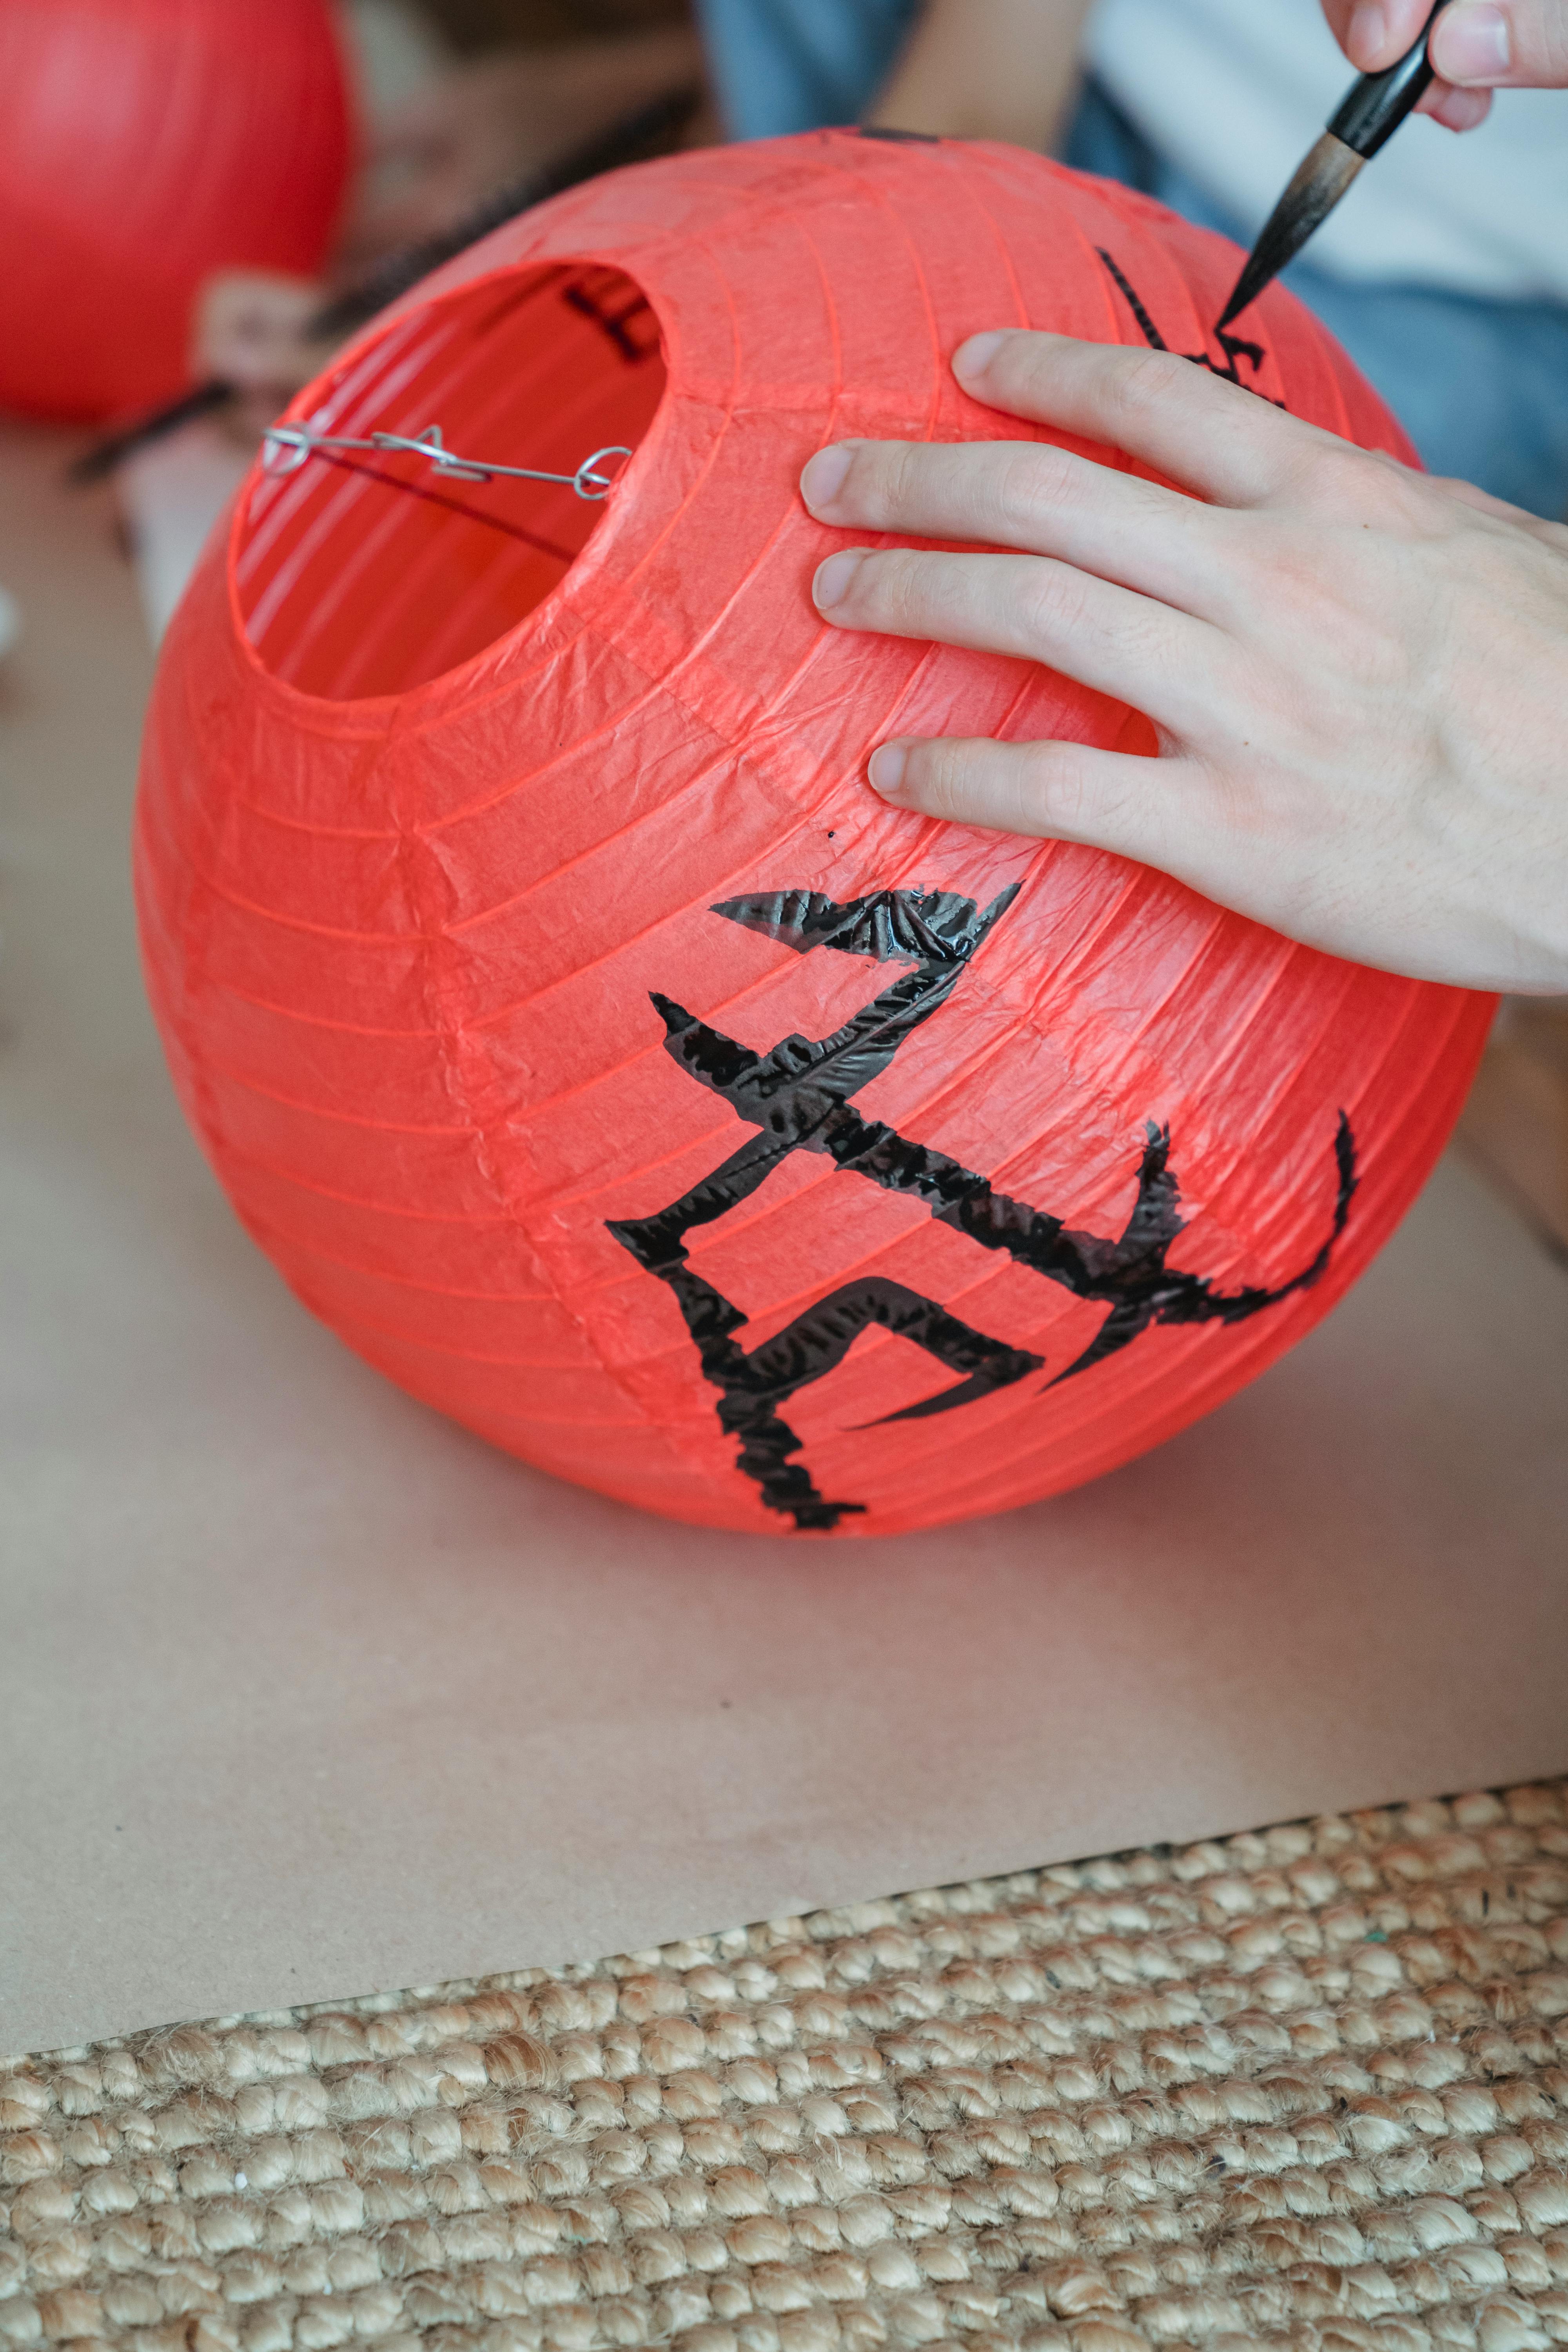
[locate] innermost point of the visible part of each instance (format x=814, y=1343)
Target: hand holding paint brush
x=1478, y=45
x=1358, y=676
x=1473, y=38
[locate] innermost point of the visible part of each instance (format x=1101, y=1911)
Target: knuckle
x=891, y=478
x=1141, y=382
x=1053, y=603
x=893, y=587
x=1334, y=476
x=1029, y=483
x=1062, y=608
x=1056, y=789
x=1071, y=798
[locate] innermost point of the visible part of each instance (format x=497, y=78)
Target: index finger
x=1212, y=437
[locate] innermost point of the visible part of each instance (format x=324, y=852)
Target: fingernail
x=975, y=356
x=831, y=584
x=886, y=767
x=1471, y=43
x=824, y=476
x=1367, y=33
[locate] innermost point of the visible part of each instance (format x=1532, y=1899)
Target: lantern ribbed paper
x=578, y=1033
x=143, y=145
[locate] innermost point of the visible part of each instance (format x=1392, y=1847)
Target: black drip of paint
x=1235, y=348
x=797, y=1098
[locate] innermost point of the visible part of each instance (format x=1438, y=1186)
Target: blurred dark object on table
x=509, y=107
x=267, y=335
x=474, y=25
x=143, y=145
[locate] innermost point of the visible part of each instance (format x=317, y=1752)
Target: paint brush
x=1371, y=112
x=647, y=131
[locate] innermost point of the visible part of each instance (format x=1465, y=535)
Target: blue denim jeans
x=1481, y=387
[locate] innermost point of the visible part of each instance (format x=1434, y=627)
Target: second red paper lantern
x=144, y=144
x=578, y=1032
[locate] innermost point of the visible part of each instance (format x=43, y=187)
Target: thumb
x=1503, y=44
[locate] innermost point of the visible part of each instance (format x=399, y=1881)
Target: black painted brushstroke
x=617, y=325
x=1235, y=347
x=797, y=1098
x=753, y=1387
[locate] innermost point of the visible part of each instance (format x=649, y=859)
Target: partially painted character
x=799, y=1097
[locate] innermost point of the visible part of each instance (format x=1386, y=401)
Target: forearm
x=987, y=69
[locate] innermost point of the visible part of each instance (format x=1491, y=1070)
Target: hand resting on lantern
x=1358, y=676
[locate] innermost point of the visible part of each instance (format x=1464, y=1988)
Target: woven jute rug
x=1308, y=2087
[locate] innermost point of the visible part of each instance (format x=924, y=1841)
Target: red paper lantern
x=143, y=145
x=583, y=1038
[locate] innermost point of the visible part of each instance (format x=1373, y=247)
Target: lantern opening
x=367, y=573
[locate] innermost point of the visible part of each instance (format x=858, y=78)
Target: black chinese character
x=1235, y=348
x=798, y=1098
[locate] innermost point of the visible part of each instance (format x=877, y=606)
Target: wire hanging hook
x=285, y=447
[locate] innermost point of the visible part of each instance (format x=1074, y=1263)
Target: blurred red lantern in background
x=584, y=1039
x=144, y=143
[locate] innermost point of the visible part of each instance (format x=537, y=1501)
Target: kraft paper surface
x=305, y=1693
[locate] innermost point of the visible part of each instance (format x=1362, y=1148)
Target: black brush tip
x=1320, y=181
